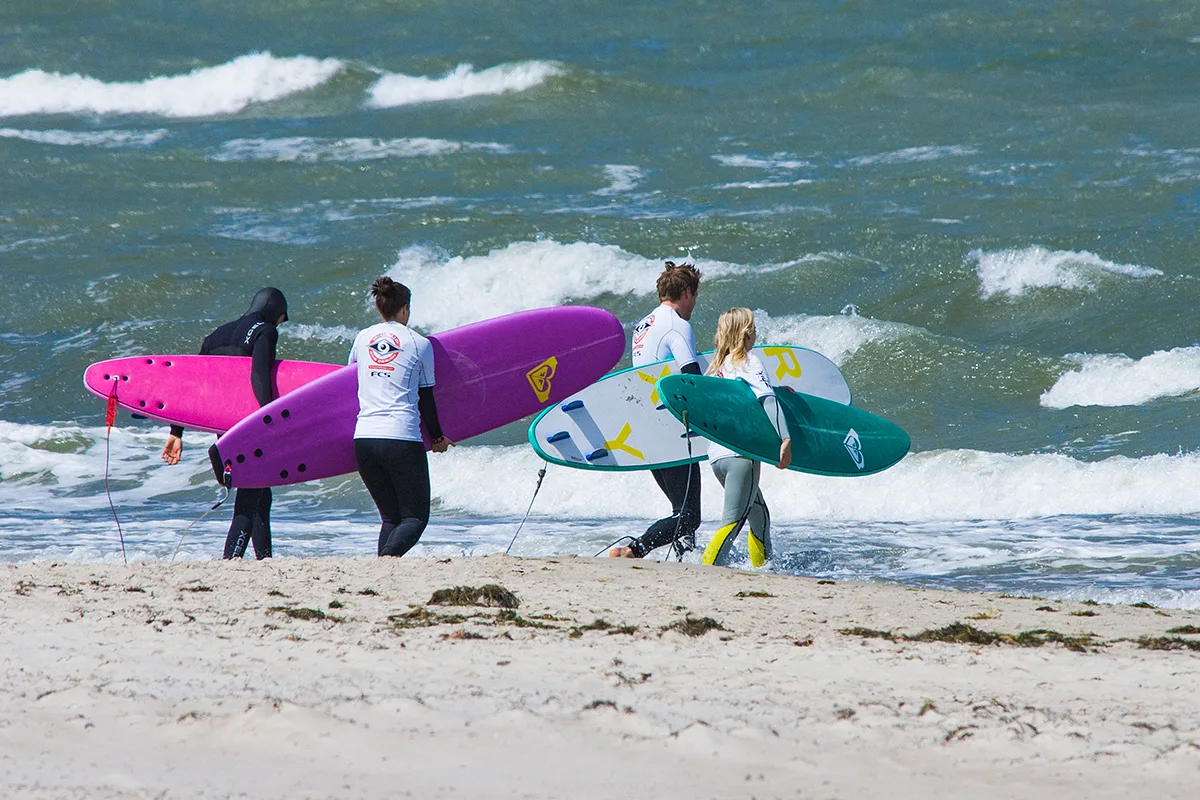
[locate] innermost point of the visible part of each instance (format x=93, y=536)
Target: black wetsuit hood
x=270, y=303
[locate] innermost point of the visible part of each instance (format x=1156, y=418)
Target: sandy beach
x=573, y=678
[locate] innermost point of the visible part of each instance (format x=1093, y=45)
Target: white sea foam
x=205, y=91
x=393, y=90
x=1016, y=271
x=912, y=155
x=776, y=161
x=622, y=178
x=765, y=184
x=307, y=149
x=453, y=290
x=931, y=486
x=63, y=465
x=107, y=139
x=1118, y=380
x=835, y=337
x=318, y=333
x=67, y=463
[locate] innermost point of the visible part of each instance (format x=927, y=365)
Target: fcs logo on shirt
x=383, y=349
x=540, y=376
x=639, y=330
x=854, y=448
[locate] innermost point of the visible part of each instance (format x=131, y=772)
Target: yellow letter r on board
x=788, y=363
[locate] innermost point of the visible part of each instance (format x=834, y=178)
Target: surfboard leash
x=218, y=504
x=538, y=488
x=676, y=546
x=110, y=417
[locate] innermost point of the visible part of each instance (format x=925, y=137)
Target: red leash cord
x=110, y=417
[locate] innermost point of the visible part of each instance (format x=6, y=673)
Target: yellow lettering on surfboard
x=653, y=379
x=539, y=378
x=619, y=443
x=788, y=363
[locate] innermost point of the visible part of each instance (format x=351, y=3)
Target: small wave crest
x=310, y=149
x=835, y=337
x=1014, y=272
x=914, y=155
x=319, y=333
x=109, y=139
x=776, y=161
x=206, y=91
x=622, y=178
x=521, y=276
x=394, y=90
x=1118, y=380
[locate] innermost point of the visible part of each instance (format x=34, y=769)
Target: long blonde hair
x=733, y=330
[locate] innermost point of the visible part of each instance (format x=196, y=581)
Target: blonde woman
x=739, y=475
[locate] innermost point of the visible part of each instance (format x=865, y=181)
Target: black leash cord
x=538, y=488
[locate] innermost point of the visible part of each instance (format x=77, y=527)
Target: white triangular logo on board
x=854, y=448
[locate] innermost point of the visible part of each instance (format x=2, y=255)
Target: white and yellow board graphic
x=619, y=422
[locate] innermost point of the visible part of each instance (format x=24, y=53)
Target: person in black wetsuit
x=253, y=334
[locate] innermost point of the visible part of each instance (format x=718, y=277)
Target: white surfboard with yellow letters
x=620, y=423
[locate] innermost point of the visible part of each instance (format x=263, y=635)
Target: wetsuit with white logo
x=253, y=334
x=744, y=505
x=660, y=335
x=395, y=395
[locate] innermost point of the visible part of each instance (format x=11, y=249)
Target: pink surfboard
x=488, y=374
x=206, y=393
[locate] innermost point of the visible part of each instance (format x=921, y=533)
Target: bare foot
x=621, y=552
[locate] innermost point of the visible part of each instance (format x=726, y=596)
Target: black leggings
x=251, y=520
x=396, y=473
x=681, y=485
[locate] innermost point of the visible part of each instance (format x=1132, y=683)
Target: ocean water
x=986, y=214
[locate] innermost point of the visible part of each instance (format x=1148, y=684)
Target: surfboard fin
x=574, y=405
x=558, y=437
x=597, y=454
x=222, y=475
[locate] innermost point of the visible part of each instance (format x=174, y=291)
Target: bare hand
x=172, y=450
x=441, y=445
x=785, y=454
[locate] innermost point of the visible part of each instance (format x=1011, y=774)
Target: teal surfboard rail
x=827, y=438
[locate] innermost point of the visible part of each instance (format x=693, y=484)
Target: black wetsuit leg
x=396, y=474
x=260, y=530
x=681, y=485
x=251, y=522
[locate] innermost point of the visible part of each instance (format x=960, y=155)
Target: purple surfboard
x=488, y=374
x=206, y=393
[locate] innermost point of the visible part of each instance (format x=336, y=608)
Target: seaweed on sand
x=490, y=595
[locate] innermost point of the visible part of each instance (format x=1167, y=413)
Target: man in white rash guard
x=662, y=334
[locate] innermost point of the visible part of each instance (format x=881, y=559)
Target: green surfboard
x=827, y=438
